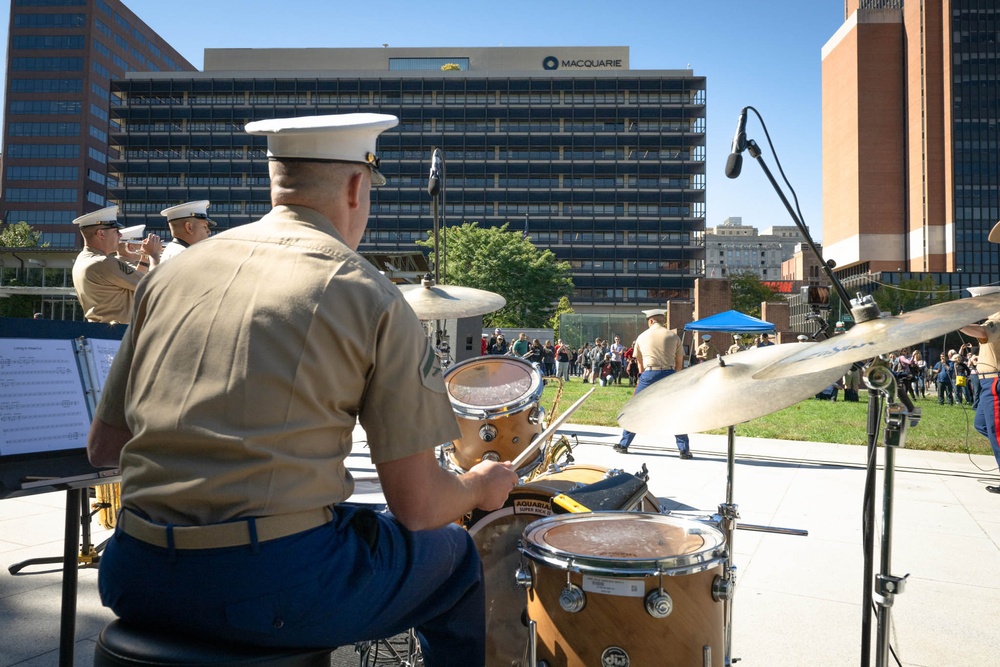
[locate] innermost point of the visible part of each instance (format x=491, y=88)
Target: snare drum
x=496, y=535
x=496, y=401
x=625, y=589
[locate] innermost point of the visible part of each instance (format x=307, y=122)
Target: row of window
x=53, y=151
x=61, y=42
x=46, y=85
x=390, y=99
x=57, y=64
x=39, y=107
x=50, y=20
x=45, y=195
x=42, y=173
x=470, y=127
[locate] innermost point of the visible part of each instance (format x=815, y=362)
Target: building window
x=46, y=85
x=101, y=69
x=56, y=151
x=95, y=198
x=96, y=176
x=47, y=64
x=97, y=155
x=50, y=20
x=42, y=217
x=42, y=173
x=44, y=129
x=54, y=107
x=61, y=195
x=98, y=134
x=47, y=41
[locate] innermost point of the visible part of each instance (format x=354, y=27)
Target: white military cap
x=994, y=236
x=191, y=209
x=706, y=337
x=133, y=233
x=337, y=138
x=105, y=216
x=654, y=312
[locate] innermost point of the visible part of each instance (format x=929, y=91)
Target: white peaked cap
x=105, y=215
x=338, y=138
x=191, y=209
x=654, y=312
x=133, y=233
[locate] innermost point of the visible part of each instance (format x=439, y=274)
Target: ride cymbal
x=722, y=392
x=886, y=334
x=442, y=302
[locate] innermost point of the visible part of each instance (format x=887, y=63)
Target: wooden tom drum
x=625, y=589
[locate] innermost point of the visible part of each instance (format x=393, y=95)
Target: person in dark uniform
x=232, y=425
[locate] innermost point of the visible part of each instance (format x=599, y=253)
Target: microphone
x=735, y=162
x=434, y=181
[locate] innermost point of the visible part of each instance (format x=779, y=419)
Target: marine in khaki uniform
x=189, y=223
x=706, y=351
x=231, y=407
x=660, y=354
x=105, y=284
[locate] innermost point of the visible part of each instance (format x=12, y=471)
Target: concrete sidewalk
x=798, y=599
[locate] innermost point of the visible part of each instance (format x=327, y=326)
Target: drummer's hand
x=494, y=482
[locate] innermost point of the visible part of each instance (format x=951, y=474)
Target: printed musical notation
x=104, y=352
x=42, y=402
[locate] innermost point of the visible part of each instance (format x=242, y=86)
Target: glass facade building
x=62, y=55
x=604, y=166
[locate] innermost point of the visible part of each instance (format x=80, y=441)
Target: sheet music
x=42, y=402
x=103, y=352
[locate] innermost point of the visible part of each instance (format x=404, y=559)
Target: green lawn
x=941, y=428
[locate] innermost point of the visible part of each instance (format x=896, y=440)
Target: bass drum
x=497, y=534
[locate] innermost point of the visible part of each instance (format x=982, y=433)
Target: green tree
x=748, y=293
x=910, y=295
x=20, y=235
x=507, y=263
x=13, y=237
x=562, y=308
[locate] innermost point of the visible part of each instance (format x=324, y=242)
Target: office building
x=911, y=183
x=61, y=57
x=733, y=248
x=602, y=164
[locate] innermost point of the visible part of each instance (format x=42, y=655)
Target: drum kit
x=581, y=565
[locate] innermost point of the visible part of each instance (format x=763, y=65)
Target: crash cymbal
x=722, y=392
x=442, y=302
x=869, y=339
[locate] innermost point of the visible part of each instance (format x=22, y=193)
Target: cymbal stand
x=724, y=589
x=899, y=415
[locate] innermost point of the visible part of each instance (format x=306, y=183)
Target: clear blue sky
x=761, y=53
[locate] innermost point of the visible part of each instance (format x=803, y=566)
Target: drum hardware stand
x=899, y=416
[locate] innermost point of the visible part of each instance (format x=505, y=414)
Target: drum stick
x=536, y=444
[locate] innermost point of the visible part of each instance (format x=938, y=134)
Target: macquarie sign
x=582, y=62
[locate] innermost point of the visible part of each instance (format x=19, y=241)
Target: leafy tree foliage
x=910, y=295
x=507, y=263
x=19, y=235
x=562, y=308
x=748, y=293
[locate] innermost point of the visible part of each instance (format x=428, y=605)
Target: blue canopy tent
x=731, y=321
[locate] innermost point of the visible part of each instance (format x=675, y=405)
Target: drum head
x=624, y=543
x=487, y=385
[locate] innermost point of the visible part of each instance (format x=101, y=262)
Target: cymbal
x=886, y=334
x=713, y=394
x=442, y=302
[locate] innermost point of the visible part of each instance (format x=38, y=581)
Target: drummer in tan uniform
x=189, y=223
x=234, y=424
x=104, y=283
x=660, y=353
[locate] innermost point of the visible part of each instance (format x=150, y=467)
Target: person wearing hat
x=988, y=372
x=706, y=351
x=232, y=423
x=659, y=353
x=104, y=283
x=765, y=341
x=189, y=223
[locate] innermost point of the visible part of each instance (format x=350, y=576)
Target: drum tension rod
x=572, y=598
x=659, y=604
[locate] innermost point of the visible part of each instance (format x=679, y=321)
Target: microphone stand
x=435, y=189
x=863, y=309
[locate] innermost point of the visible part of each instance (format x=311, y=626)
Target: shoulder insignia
x=125, y=268
x=430, y=369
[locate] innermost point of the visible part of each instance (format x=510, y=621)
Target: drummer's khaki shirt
x=989, y=352
x=105, y=286
x=250, y=356
x=659, y=347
